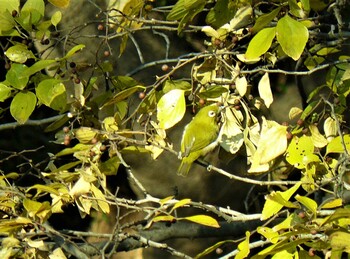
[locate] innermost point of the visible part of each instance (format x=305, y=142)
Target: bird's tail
x=184, y=168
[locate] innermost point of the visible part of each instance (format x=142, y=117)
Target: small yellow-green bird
x=199, y=137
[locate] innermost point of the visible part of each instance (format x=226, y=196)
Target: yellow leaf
x=318, y=140
x=269, y=233
x=80, y=187
x=181, y=203
x=241, y=85
x=39, y=244
x=340, y=241
x=331, y=204
x=101, y=199
x=85, y=134
x=57, y=254
x=294, y=112
x=330, y=128
x=267, y=149
x=165, y=200
x=310, y=204
x=171, y=108
x=271, y=207
x=243, y=247
x=60, y=3
x=264, y=88
x=203, y=220
x=163, y=218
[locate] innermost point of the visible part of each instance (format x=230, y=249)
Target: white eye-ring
x=211, y=113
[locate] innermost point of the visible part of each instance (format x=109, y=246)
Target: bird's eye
x=211, y=113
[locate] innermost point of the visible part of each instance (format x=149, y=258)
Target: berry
x=142, y=95
x=106, y=53
x=289, y=135
x=65, y=129
x=14, y=13
x=103, y=148
x=305, y=131
x=7, y=66
x=66, y=140
x=77, y=80
x=72, y=64
x=302, y=214
x=165, y=67
x=100, y=27
x=300, y=122
x=201, y=101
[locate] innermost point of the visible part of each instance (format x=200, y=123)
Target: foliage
x=245, y=44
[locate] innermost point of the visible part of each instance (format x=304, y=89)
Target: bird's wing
x=200, y=141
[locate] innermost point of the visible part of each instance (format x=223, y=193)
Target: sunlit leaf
x=292, y=36
x=80, y=187
x=265, y=20
x=264, y=88
x=74, y=50
x=332, y=203
x=5, y=92
x=122, y=95
x=15, y=76
x=294, y=112
x=171, y=108
x=340, y=241
x=241, y=85
x=22, y=106
x=299, y=151
x=260, y=43
x=180, y=203
x=56, y=18
x=271, y=207
x=338, y=214
x=330, y=128
x=19, y=53
x=270, y=234
x=336, y=145
x=38, y=66
x=310, y=204
x=203, y=220
x=317, y=139
x=268, y=150
x=100, y=198
x=50, y=89
x=85, y=134
x=243, y=247
x=163, y=218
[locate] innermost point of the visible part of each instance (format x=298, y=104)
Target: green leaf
x=15, y=76
x=74, y=50
x=60, y=3
x=36, y=8
x=213, y=91
x=52, y=93
x=9, y=5
x=19, y=53
x=72, y=150
x=6, y=21
x=336, y=145
x=292, y=36
x=22, y=106
x=203, y=220
x=265, y=20
x=56, y=18
x=110, y=167
x=221, y=13
x=38, y=66
x=260, y=43
x=171, y=108
x=340, y=241
x=122, y=95
x=299, y=151
x=45, y=188
x=310, y=204
x=5, y=92
x=341, y=213
x=275, y=202
x=176, y=84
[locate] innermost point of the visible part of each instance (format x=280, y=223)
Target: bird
x=199, y=137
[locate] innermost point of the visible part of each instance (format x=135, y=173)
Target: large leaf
x=222, y=13
x=260, y=43
x=38, y=66
x=171, y=108
x=292, y=36
x=265, y=19
x=36, y=8
x=22, y=106
x=264, y=88
x=19, y=53
x=15, y=76
x=9, y=5
x=276, y=200
x=52, y=93
x=5, y=92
